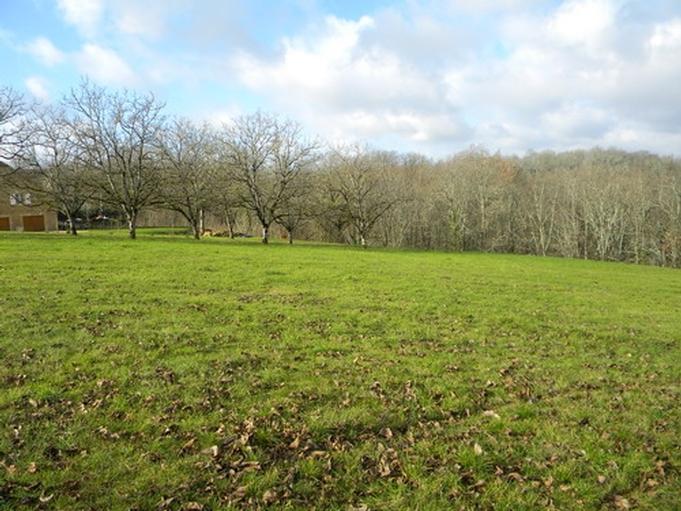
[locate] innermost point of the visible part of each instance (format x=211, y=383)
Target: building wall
x=16, y=214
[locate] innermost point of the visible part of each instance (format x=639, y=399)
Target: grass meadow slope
x=172, y=374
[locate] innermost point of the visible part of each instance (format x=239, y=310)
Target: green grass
x=166, y=373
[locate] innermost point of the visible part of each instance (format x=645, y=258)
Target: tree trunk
x=72, y=226
x=132, y=226
x=265, y=234
x=202, y=223
x=196, y=230
x=363, y=241
x=230, y=226
x=290, y=237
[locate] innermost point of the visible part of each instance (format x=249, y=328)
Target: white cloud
x=585, y=74
x=43, y=49
x=312, y=66
x=105, y=66
x=485, y=6
x=142, y=18
x=666, y=36
x=221, y=116
x=581, y=122
x=582, y=21
x=347, y=89
x=37, y=86
x=637, y=136
x=146, y=18
x=83, y=14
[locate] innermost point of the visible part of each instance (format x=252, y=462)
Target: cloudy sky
x=433, y=76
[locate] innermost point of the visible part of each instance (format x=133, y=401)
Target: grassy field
x=172, y=374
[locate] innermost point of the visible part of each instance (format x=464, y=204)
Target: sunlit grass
x=170, y=373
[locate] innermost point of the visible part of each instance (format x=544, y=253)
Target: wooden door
x=4, y=223
x=34, y=223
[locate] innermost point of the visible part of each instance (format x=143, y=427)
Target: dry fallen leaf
x=269, y=496
x=240, y=492
x=621, y=502
x=32, y=468
x=491, y=413
x=188, y=445
x=295, y=444
x=659, y=466
x=601, y=479
x=250, y=466
x=166, y=502
x=212, y=450
x=477, y=449
x=384, y=468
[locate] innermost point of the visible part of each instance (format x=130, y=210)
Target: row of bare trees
x=119, y=149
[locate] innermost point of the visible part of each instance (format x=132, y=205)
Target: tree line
x=119, y=149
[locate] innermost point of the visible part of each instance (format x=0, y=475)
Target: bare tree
x=13, y=129
x=457, y=197
x=49, y=165
x=603, y=214
x=542, y=209
x=360, y=179
x=226, y=201
x=329, y=211
x=266, y=156
x=668, y=232
x=190, y=168
x=118, y=135
x=297, y=208
x=639, y=197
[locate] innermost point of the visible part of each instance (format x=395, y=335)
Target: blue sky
x=433, y=76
